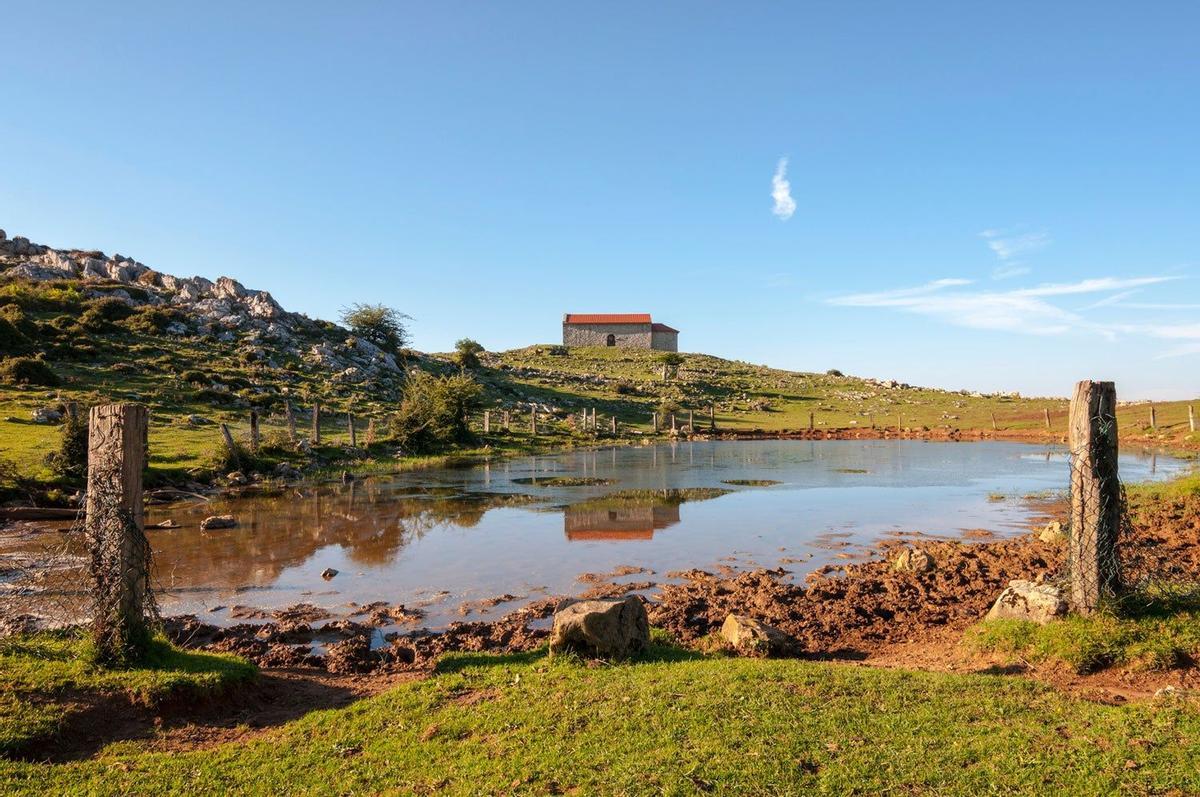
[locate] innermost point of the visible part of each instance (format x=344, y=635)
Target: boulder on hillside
x=604, y=629
x=755, y=638
x=1025, y=600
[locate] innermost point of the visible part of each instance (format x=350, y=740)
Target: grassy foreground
x=46, y=677
x=677, y=723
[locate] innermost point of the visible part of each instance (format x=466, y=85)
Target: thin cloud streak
x=1007, y=246
x=781, y=192
x=1024, y=310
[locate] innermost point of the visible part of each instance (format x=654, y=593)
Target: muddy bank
x=852, y=611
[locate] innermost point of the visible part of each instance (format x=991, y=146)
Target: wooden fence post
x=993, y=421
x=811, y=421
x=533, y=421
x=254, y=430
x=654, y=421
x=316, y=424
x=370, y=431
x=229, y=444
x=593, y=419
x=353, y=433
x=507, y=418
x=612, y=426
x=1046, y=413
x=1191, y=418
x=673, y=429
x=291, y=420
x=692, y=420
x=899, y=423
x=115, y=528
x=712, y=416
x=487, y=421
x=1096, y=505
x=1153, y=417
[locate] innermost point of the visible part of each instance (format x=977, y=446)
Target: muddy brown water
x=452, y=541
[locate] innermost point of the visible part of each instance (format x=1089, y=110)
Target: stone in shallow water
x=1025, y=600
x=218, y=522
x=604, y=629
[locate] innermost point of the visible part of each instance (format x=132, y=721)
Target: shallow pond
x=454, y=540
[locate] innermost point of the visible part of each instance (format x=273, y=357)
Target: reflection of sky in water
x=475, y=533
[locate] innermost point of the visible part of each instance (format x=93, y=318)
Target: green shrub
x=70, y=460
x=15, y=316
x=378, y=324
x=100, y=314
x=11, y=337
x=150, y=320
x=27, y=371
x=433, y=411
x=194, y=377
x=466, y=352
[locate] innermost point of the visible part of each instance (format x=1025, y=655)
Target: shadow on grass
x=655, y=654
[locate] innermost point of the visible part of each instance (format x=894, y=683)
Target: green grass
x=40, y=674
x=677, y=723
x=1155, y=628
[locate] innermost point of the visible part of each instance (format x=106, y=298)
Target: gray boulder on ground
x=1053, y=532
x=1025, y=600
x=913, y=560
x=604, y=629
x=46, y=415
x=218, y=522
x=754, y=637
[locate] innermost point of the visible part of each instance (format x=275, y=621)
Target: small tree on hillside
x=378, y=324
x=670, y=362
x=466, y=352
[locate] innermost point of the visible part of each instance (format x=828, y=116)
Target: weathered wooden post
x=692, y=420
x=593, y=419
x=316, y=424
x=1191, y=418
x=673, y=429
x=115, y=528
x=654, y=421
x=370, y=431
x=254, y=430
x=1046, y=412
x=507, y=418
x=1153, y=417
x=353, y=433
x=899, y=423
x=712, y=416
x=291, y=420
x=1096, y=505
x=533, y=421
x=811, y=421
x=229, y=444
x=612, y=426
x=487, y=421
x=993, y=421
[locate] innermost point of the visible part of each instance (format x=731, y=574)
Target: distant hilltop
x=225, y=309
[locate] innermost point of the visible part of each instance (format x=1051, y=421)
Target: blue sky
x=1000, y=196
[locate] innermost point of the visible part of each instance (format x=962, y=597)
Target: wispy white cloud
x=1008, y=271
x=1023, y=310
x=781, y=192
x=1008, y=246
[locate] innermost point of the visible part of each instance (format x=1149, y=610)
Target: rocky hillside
x=223, y=311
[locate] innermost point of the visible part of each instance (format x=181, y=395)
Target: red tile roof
x=606, y=318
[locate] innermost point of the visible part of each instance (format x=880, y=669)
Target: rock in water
x=1025, y=600
x=218, y=522
x=913, y=560
x=604, y=629
x=753, y=637
x=328, y=573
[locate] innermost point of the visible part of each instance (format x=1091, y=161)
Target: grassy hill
x=79, y=327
